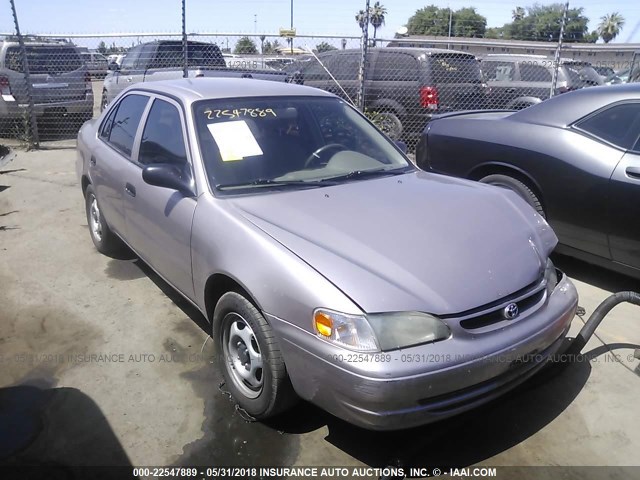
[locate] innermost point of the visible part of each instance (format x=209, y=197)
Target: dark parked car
x=404, y=86
x=519, y=81
x=301, y=233
x=60, y=84
x=575, y=158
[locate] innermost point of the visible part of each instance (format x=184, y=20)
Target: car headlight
x=379, y=331
x=405, y=329
x=550, y=277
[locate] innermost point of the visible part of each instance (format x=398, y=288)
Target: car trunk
x=56, y=74
x=457, y=81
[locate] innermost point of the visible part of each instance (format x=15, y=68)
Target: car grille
x=481, y=317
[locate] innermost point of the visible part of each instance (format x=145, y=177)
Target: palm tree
x=376, y=18
x=361, y=18
x=518, y=13
x=610, y=26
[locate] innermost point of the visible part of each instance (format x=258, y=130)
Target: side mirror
x=113, y=66
x=167, y=176
x=401, y=145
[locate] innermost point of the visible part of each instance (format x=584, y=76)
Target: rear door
x=500, y=75
x=535, y=82
x=458, y=80
x=158, y=220
x=57, y=73
x=111, y=156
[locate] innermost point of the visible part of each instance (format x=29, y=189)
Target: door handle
x=633, y=172
x=130, y=189
x=92, y=161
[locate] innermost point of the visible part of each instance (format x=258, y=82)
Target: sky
x=335, y=17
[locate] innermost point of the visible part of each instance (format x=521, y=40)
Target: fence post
x=364, y=43
x=185, y=68
x=556, y=62
x=34, y=141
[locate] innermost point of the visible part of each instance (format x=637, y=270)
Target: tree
x=271, y=47
x=518, y=13
x=361, y=18
x=466, y=22
x=432, y=20
x=102, y=47
x=376, y=18
x=610, y=26
x=543, y=22
x=245, y=45
x=324, y=47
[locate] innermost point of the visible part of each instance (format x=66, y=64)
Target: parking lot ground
x=102, y=363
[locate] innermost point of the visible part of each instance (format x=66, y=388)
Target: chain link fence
x=51, y=84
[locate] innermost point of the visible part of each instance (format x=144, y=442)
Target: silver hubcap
x=244, y=360
x=94, y=219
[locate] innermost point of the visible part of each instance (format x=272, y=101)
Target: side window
x=498, y=71
x=346, y=66
x=126, y=121
x=105, y=129
x=398, y=67
x=131, y=58
x=619, y=125
x=534, y=73
x=162, y=138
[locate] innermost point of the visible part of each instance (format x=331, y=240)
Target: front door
x=158, y=220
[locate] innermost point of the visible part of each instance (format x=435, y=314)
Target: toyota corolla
x=330, y=268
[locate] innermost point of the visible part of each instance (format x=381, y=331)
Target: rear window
x=619, y=125
x=451, y=68
x=198, y=55
x=50, y=59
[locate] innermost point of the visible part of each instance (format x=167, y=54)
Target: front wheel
x=251, y=361
x=517, y=186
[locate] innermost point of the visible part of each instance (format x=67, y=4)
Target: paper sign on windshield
x=235, y=140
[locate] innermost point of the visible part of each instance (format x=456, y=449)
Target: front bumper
x=426, y=383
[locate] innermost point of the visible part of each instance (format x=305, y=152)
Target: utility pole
x=450, y=22
x=185, y=67
x=291, y=43
x=34, y=140
x=556, y=62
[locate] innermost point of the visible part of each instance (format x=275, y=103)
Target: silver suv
x=61, y=85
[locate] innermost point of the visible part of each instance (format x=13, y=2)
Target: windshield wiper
x=269, y=182
x=366, y=173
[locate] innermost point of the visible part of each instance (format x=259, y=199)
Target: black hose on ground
x=577, y=344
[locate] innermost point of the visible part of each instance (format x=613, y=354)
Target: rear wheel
x=389, y=123
x=517, y=186
x=104, y=239
x=251, y=361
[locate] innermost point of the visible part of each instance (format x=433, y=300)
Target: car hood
x=416, y=241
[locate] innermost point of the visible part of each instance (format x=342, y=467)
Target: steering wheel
x=315, y=156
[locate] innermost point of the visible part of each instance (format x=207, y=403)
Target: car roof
x=565, y=109
x=190, y=90
x=414, y=50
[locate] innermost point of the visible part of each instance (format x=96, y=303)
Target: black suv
x=404, y=87
x=519, y=81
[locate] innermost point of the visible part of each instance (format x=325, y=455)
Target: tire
x=390, y=124
x=244, y=341
x=517, y=186
x=104, y=239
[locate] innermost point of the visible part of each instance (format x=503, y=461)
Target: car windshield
x=295, y=142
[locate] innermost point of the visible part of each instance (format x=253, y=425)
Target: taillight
x=5, y=88
x=429, y=97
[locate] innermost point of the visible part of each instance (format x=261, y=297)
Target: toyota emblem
x=510, y=311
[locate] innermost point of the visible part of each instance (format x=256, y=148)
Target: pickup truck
x=163, y=60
